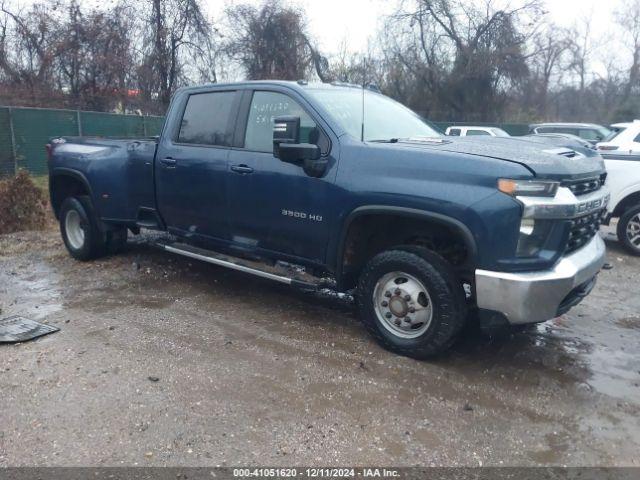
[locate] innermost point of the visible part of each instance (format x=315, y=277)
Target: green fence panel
x=33, y=127
x=7, y=165
x=154, y=125
x=32, y=130
x=516, y=129
x=111, y=125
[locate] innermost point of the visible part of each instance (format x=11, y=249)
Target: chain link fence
x=25, y=131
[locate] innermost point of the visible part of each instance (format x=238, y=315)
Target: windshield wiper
x=388, y=140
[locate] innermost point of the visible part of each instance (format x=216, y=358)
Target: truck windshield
x=384, y=118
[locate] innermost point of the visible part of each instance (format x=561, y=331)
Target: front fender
x=455, y=224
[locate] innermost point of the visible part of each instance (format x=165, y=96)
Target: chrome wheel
x=73, y=229
x=633, y=230
x=402, y=304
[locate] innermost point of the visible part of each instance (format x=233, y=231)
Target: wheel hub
x=398, y=306
x=402, y=304
x=74, y=229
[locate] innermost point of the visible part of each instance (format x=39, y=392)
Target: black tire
x=447, y=299
x=94, y=243
x=621, y=230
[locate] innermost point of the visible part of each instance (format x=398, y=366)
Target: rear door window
x=208, y=119
x=454, y=132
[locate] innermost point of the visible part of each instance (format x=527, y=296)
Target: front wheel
x=409, y=299
x=629, y=230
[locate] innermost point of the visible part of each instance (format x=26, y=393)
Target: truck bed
x=120, y=196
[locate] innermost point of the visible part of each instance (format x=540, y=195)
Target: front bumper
x=531, y=297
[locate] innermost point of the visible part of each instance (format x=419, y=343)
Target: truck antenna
x=364, y=82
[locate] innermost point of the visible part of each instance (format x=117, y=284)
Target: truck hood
x=554, y=160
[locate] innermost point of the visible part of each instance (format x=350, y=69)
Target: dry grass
x=23, y=204
x=42, y=182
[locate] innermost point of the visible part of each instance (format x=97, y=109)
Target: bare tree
x=466, y=54
x=27, y=47
x=549, y=46
x=447, y=59
x=178, y=36
x=271, y=42
x=357, y=68
x=94, y=55
x=628, y=16
x=581, y=49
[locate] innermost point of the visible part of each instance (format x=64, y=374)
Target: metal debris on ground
x=20, y=329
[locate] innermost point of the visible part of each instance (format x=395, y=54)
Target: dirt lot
x=251, y=372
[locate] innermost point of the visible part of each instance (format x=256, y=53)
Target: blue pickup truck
x=318, y=184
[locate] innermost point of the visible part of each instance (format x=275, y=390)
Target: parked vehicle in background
x=289, y=181
x=553, y=138
x=624, y=141
x=459, y=131
x=590, y=132
x=616, y=128
x=623, y=179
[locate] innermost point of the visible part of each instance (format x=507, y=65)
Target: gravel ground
x=165, y=361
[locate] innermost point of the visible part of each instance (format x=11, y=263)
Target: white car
x=623, y=179
x=623, y=140
x=458, y=131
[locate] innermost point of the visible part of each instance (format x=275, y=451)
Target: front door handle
x=168, y=162
x=242, y=169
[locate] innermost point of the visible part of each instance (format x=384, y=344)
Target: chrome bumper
x=531, y=297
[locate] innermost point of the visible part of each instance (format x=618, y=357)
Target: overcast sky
x=354, y=22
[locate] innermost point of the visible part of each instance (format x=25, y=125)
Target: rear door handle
x=242, y=169
x=168, y=162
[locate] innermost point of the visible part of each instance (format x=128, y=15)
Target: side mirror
x=287, y=147
x=298, y=152
x=286, y=130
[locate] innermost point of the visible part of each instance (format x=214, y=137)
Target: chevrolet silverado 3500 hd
x=347, y=185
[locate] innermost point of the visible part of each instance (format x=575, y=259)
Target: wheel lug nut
x=398, y=321
x=387, y=293
x=398, y=291
x=412, y=310
x=388, y=315
x=385, y=303
x=407, y=297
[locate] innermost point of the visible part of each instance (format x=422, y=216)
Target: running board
x=235, y=264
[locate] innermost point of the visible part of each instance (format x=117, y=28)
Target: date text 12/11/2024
x=315, y=473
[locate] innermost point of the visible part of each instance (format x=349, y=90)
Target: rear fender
x=57, y=195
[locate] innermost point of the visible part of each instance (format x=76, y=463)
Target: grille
x=582, y=187
x=583, y=229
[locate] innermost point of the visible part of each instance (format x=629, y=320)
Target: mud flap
x=19, y=329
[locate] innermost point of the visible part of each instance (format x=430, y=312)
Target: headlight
x=533, y=234
x=528, y=188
